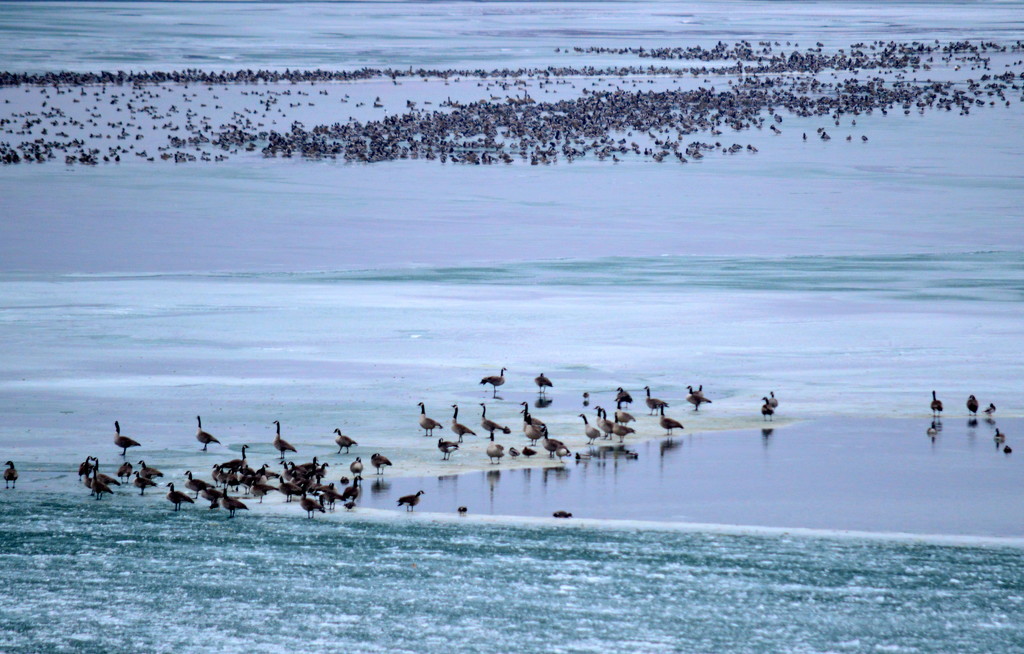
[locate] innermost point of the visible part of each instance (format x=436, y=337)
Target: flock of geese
x=307, y=482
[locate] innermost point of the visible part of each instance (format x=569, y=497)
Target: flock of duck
x=594, y=116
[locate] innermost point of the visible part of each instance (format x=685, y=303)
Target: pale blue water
x=850, y=278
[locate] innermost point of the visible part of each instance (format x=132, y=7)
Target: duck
x=177, y=497
x=668, y=424
x=379, y=461
x=990, y=410
x=10, y=475
x=621, y=416
x=280, y=444
x=972, y=405
x=936, y=405
x=653, y=403
x=142, y=483
x=696, y=398
x=513, y=452
x=446, y=447
x=462, y=510
x=582, y=457
x=561, y=514
x=204, y=437
x=343, y=441
x=495, y=451
x=410, y=501
x=123, y=441
x=427, y=424
x=543, y=383
x=232, y=504
x=495, y=381
x=592, y=433
x=310, y=505
x=528, y=452
x=766, y=410
x=489, y=425
x=459, y=428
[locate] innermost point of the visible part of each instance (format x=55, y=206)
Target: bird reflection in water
x=379, y=486
x=542, y=402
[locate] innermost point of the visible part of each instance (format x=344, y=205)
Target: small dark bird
x=562, y=514
x=410, y=501
x=462, y=510
x=528, y=452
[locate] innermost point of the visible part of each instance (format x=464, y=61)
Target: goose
x=236, y=464
x=457, y=427
x=310, y=505
x=123, y=441
x=343, y=441
x=85, y=467
x=936, y=405
x=535, y=433
x=351, y=493
x=289, y=490
x=552, y=445
x=972, y=405
x=142, y=483
x=280, y=444
x=622, y=431
x=410, y=501
x=106, y=479
x=561, y=514
x=232, y=504
x=562, y=452
x=542, y=382
x=528, y=452
x=623, y=396
x=772, y=401
x=211, y=494
x=489, y=425
x=621, y=416
x=668, y=424
x=495, y=451
x=259, y=489
x=124, y=472
x=194, y=485
x=356, y=466
x=528, y=418
x=177, y=497
x=204, y=437
x=10, y=475
x=379, y=461
x=990, y=410
x=653, y=403
x=330, y=495
x=766, y=410
x=427, y=424
x=98, y=488
x=148, y=472
x=495, y=381
x=446, y=447
x=603, y=423
x=592, y=433
x=696, y=398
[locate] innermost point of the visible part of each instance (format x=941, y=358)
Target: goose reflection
x=379, y=486
x=542, y=402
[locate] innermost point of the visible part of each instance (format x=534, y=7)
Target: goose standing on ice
x=603, y=423
x=489, y=425
x=766, y=410
x=543, y=383
x=356, y=466
x=177, y=497
x=446, y=447
x=459, y=428
x=280, y=444
x=10, y=475
x=495, y=451
x=142, y=483
x=427, y=424
x=653, y=403
x=123, y=441
x=410, y=501
x=232, y=504
x=379, y=461
x=623, y=396
x=592, y=432
x=343, y=441
x=495, y=381
x=204, y=437
x=772, y=402
x=972, y=405
x=621, y=416
x=124, y=472
x=696, y=398
x=668, y=424
x=936, y=405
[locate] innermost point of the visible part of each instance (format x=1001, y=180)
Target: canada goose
x=280, y=444
x=343, y=441
x=535, y=433
x=446, y=447
x=195, y=485
x=668, y=424
x=772, y=401
x=1000, y=437
x=621, y=416
x=592, y=433
x=410, y=501
x=622, y=431
x=552, y=445
x=260, y=489
x=351, y=493
x=289, y=490
x=142, y=483
x=528, y=452
x=177, y=497
x=310, y=505
x=232, y=504
x=766, y=410
x=696, y=398
x=98, y=488
x=379, y=461
x=460, y=429
x=236, y=464
x=936, y=405
x=623, y=396
x=96, y=474
x=489, y=425
x=10, y=475
x=495, y=451
x=603, y=423
x=212, y=494
x=85, y=467
x=562, y=514
x=543, y=383
x=330, y=496
x=495, y=381
x=428, y=425
x=356, y=466
x=653, y=403
x=204, y=437
x=990, y=410
x=147, y=472
x=124, y=472
x=123, y=441
x=528, y=418
x=972, y=405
